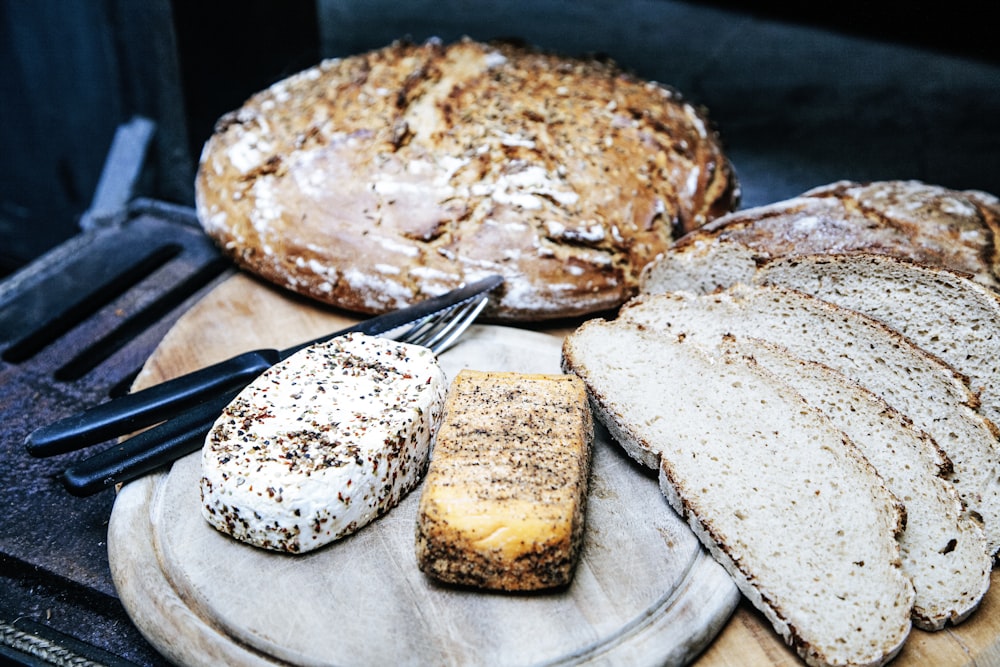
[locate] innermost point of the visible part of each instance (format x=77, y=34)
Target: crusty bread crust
x=927, y=223
x=377, y=180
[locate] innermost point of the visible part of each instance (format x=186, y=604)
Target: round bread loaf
x=377, y=180
x=926, y=223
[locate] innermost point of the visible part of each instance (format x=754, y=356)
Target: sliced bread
x=943, y=551
x=811, y=546
x=944, y=312
x=703, y=266
x=928, y=391
x=927, y=223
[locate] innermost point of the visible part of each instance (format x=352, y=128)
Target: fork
x=137, y=410
x=185, y=433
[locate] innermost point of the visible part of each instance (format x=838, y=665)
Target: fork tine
x=441, y=330
x=457, y=326
x=431, y=332
x=419, y=329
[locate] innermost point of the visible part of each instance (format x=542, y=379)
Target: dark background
x=803, y=93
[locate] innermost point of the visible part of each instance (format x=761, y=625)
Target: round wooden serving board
x=644, y=592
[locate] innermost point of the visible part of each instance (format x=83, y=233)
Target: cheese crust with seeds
x=322, y=443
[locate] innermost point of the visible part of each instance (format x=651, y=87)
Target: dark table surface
x=797, y=106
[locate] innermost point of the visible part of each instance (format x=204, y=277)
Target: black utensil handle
x=146, y=451
x=149, y=406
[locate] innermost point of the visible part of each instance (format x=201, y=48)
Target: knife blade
x=146, y=407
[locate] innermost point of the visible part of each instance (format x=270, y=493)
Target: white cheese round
x=322, y=443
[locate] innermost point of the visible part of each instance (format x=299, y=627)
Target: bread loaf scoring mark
x=450, y=139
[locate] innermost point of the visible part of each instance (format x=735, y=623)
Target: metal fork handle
x=132, y=412
x=147, y=451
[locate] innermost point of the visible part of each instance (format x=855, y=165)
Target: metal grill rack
x=75, y=328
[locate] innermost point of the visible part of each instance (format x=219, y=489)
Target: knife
x=145, y=452
x=149, y=406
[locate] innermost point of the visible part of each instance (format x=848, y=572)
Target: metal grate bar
x=92, y=318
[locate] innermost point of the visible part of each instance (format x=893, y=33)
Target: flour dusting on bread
x=372, y=181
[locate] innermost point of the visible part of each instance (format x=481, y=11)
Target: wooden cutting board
x=645, y=593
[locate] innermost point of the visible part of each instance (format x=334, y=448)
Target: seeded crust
x=323, y=443
x=504, y=500
x=925, y=223
x=377, y=180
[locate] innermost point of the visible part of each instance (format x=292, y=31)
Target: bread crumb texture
x=943, y=549
x=503, y=504
x=322, y=443
x=379, y=179
x=777, y=494
x=932, y=394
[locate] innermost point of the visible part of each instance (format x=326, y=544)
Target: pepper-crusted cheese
x=322, y=443
x=503, y=504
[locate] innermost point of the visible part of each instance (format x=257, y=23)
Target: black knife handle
x=132, y=412
x=147, y=451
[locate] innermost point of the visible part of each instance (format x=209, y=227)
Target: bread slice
x=701, y=266
x=322, y=443
x=943, y=551
x=503, y=503
x=922, y=387
x=781, y=498
x=926, y=223
x=944, y=312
